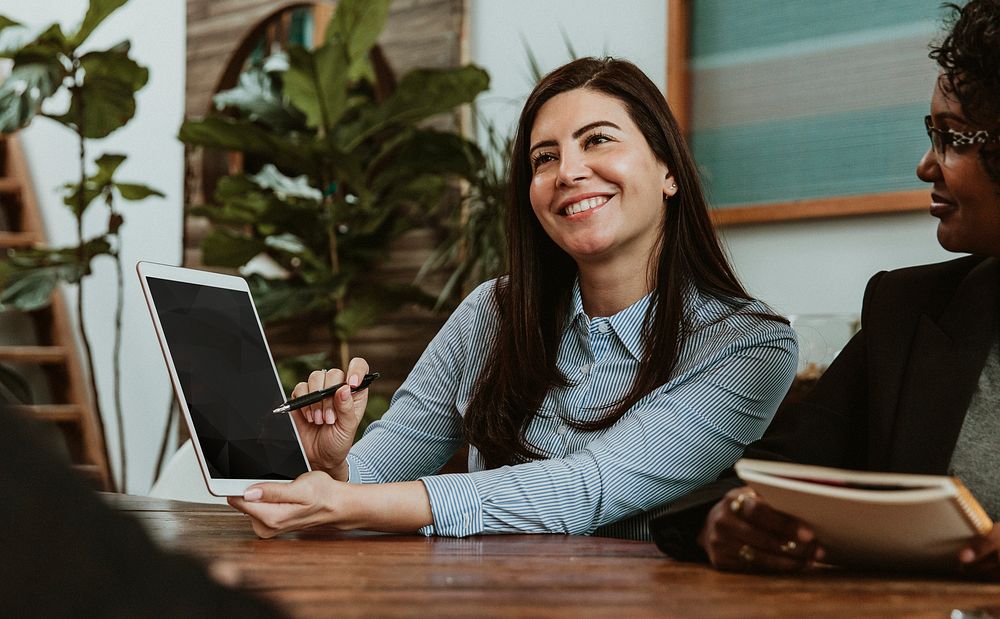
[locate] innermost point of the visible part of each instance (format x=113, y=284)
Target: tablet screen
x=228, y=381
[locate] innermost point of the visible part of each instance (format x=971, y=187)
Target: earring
x=673, y=185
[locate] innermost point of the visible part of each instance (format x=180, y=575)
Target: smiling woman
x=618, y=365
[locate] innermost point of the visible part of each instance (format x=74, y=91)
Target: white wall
x=152, y=229
x=797, y=267
x=502, y=31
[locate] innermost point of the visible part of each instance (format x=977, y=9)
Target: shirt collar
x=626, y=324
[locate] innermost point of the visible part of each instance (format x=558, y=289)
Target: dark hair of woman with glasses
x=618, y=365
x=917, y=390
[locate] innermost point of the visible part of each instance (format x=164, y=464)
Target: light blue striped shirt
x=730, y=377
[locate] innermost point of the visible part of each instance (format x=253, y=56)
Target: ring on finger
x=789, y=546
x=736, y=505
x=746, y=554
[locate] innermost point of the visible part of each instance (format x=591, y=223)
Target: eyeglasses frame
x=950, y=137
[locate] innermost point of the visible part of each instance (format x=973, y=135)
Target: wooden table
x=325, y=573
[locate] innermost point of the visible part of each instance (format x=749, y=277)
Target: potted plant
x=337, y=170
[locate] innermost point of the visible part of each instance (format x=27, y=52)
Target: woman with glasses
x=917, y=390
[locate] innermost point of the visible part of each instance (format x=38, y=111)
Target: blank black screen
x=228, y=382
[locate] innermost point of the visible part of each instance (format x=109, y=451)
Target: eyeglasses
x=941, y=139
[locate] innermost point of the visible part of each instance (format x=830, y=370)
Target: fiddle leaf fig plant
x=338, y=172
x=96, y=90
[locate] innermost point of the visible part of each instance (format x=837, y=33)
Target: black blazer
x=896, y=396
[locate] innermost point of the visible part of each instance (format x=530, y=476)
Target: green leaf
x=425, y=151
x=106, y=98
x=358, y=23
x=47, y=47
x=31, y=291
x=93, y=186
x=97, y=13
x=258, y=98
x=288, y=243
x=134, y=192
x=115, y=63
x=29, y=275
x=107, y=165
x=294, y=246
x=286, y=187
x=71, y=197
x=227, y=249
x=316, y=84
x=280, y=300
x=368, y=302
x=354, y=27
x=24, y=90
x=420, y=94
x=6, y=22
x=242, y=135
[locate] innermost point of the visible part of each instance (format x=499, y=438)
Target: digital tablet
x=224, y=377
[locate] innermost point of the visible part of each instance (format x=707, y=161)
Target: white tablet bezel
x=221, y=487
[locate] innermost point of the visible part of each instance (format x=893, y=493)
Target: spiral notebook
x=874, y=520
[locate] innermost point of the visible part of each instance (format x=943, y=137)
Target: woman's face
x=596, y=187
x=964, y=198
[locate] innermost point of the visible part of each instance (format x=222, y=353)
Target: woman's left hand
x=982, y=556
x=314, y=498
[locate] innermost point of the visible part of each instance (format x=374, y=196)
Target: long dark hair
x=534, y=299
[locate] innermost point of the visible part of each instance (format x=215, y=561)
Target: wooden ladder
x=40, y=345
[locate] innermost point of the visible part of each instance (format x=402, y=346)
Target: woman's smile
x=581, y=207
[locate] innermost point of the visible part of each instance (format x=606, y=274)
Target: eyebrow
x=950, y=116
x=577, y=133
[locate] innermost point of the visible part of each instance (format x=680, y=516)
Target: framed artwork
x=801, y=109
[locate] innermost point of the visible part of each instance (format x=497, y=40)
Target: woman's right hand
x=743, y=533
x=327, y=428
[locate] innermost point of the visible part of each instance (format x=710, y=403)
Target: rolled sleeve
x=455, y=505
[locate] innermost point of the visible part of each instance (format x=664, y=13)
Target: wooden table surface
x=325, y=573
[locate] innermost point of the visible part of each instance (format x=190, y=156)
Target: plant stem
x=82, y=257
x=117, y=359
x=165, y=442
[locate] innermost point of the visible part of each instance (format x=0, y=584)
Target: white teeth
x=586, y=205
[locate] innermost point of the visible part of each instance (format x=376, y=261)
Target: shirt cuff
x=455, y=505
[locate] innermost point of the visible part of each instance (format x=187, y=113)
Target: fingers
x=326, y=411
x=982, y=556
x=276, y=493
x=754, y=510
x=743, y=533
x=356, y=370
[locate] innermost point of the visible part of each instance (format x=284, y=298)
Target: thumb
x=273, y=493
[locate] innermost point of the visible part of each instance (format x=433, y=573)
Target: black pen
x=316, y=396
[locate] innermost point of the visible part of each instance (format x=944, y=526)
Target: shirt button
x=562, y=429
x=585, y=369
x=603, y=326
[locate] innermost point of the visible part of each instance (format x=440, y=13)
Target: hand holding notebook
x=879, y=520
